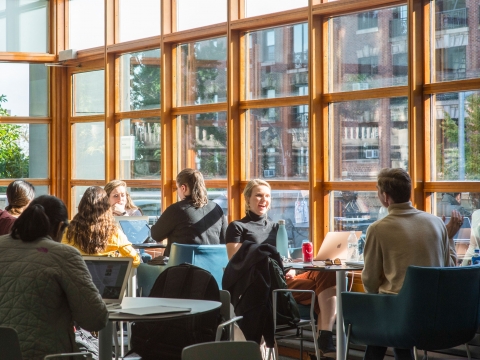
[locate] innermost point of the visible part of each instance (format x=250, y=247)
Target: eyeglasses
x=336, y=261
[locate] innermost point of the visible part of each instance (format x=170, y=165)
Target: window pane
x=140, y=148
x=368, y=135
x=220, y=197
x=89, y=151
x=355, y=210
x=203, y=143
x=279, y=142
x=292, y=206
x=148, y=200
x=138, y=22
x=193, y=13
x=25, y=89
x=457, y=136
x=203, y=72
x=456, y=39
x=23, y=151
x=369, y=50
x=89, y=93
x=277, y=62
x=255, y=7
x=86, y=27
x=139, y=80
x=24, y=26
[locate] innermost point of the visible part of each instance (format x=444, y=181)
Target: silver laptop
x=110, y=275
x=136, y=228
x=335, y=245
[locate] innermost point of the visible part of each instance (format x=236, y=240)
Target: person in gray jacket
x=45, y=286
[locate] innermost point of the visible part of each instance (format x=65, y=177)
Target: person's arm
x=372, y=274
x=232, y=249
x=455, y=223
x=223, y=230
x=165, y=224
x=234, y=239
x=126, y=249
x=471, y=249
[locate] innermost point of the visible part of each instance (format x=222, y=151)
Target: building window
x=368, y=65
x=269, y=49
x=368, y=20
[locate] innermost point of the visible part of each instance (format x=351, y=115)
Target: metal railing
x=451, y=19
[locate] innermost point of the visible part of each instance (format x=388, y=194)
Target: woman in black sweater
x=256, y=227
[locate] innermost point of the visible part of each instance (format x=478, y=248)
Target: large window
x=138, y=20
x=86, y=24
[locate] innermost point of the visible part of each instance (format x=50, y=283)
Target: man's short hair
x=396, y=183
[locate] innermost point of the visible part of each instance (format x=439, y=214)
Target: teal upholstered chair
x=437, y=308
x=146, y=277
x=212, y=258
x=223, y=350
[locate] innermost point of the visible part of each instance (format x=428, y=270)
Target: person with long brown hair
x=194, y=219
x=93, y=230
x=19, y=194
x=120, y=200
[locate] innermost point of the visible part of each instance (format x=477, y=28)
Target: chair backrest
x=223, y=350
x=146, y=277
x=212, y=258
x=9, y=344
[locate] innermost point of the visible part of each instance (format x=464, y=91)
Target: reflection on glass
x=457, y=136
x=23, y=150
x=89, y=93
x=202, y=77
x=85, y=27
x=203, y=143
x=220, y=197
x=456, y=39
x=355, y=210
x=278, y=139
x=369, y=50
x=139, y=80
x=89, y=150
x=136, y=22
x=24, y=89
x=193, y=13
x=464, y=202
x=368, y=136
x=140, y=148
x=24, y=26
x=148, y=200
x=277, y=62
x=255, y=7
x=292, y=206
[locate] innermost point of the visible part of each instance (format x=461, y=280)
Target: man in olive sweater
x=406, y=236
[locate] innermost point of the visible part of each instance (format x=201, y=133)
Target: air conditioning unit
x=371, y=154
x=359, y=86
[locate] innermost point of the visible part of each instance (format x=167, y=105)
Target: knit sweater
x=254, y=228
x=406, y=236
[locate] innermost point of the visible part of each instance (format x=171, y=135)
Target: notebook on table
x=335, y=245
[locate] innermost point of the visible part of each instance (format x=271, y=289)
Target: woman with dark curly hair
x=93, y=230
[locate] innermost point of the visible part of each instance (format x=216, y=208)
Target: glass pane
x=457, y=136
x=23, y=151
x=255, y=7
x=24, y=89
x=368, y=135
x=203, y=143
x=138, y=22
x=277, y=62
x=456, y=39
x=369, y=50
x=140, y=148
x=355, y=210
x=292, y=206
x=220, y=197
x=202, y=77
x=89, y=93
x=139, y=80
x=86, y=27
x=279, y=142
x=24, y=26
x=39, y=190
x=193, y=13
x=148, y=200
x=89, y=151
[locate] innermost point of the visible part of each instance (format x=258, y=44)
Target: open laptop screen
x=137, y=231
x=110, y=276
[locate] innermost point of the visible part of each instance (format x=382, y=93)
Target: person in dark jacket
x=192, y=220
x=6, y=222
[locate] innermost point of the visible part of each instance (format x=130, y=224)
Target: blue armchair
x=437, y=308
x=212, y=258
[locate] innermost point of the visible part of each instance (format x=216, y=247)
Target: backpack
x=165, y=339
x=287, y=309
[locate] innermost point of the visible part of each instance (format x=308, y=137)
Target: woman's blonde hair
x=94, y=224
x=247, y=192
x=193, y=179
x=112, y=185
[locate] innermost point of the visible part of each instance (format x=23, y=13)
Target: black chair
x=437, y=308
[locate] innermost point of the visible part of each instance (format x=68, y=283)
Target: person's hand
x=455, y=223
x=290, y=274
x=118, y=210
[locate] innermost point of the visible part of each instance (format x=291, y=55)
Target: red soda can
x=307, y=251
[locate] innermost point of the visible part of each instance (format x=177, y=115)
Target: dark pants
x=378, y=353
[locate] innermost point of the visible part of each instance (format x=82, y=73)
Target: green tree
x=145, y=80
x=13, y=162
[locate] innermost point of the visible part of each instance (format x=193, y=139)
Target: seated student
x=45, y=286
x=93, y=230
x=6, y=222
x=19, y=194
x=256, y=227
x=119, y=199
x=475, y=231
x=406, y=236
x=194, y=219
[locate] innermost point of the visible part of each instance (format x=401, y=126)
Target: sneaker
x=325, y=344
